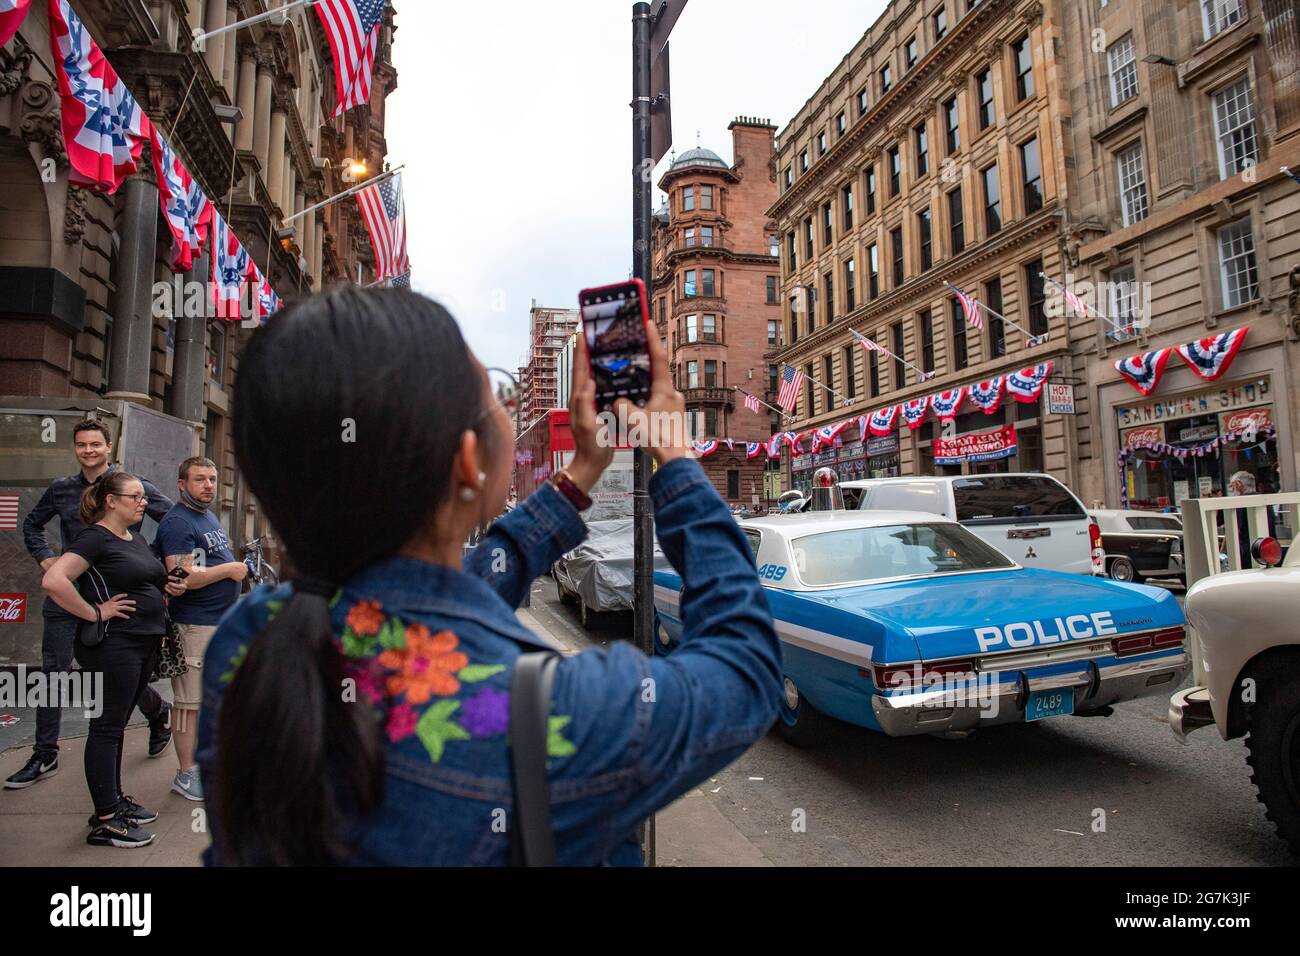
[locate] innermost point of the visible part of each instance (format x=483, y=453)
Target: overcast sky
x=512, y=118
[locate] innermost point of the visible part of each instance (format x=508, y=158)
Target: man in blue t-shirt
x=190, y=536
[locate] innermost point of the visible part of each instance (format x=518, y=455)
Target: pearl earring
x=468, y=494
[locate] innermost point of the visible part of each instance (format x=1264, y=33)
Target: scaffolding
x=548, y=332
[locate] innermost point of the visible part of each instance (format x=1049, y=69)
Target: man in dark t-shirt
x=191, y=537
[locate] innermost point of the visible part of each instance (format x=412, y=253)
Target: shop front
x=1211, y=440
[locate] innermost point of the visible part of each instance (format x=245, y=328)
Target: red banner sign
x=13, y=608
x=985, y=446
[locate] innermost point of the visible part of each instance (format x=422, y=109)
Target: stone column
x=189, y=365
x=132, y=344
x=318, y=253
x=214, y=18
x=262, y=109
x=273, y=171
x=230, y=64
x=290, y=186
x=247, y=97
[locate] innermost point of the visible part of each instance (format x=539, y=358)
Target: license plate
x=1049, y=703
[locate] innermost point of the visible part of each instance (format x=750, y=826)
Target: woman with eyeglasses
x=361, y=713
x=111, y=579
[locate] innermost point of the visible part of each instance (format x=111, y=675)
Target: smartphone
x=616, y=323
x=178, y=573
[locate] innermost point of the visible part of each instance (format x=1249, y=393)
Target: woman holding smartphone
x=360, y=714
x=111, y=579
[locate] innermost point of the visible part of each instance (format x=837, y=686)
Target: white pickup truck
x=1031, y=518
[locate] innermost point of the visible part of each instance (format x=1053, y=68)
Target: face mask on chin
x=192, y=502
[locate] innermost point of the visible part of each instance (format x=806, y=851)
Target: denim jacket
x=432, y=649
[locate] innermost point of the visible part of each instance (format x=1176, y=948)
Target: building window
x=873, y=368
x=710, y=372
x=789, y=176
x=895, y=171
x=692, y=328
x=688, y=199
x=821, y=143
x=693, y=374
x=810, y=296
x=997, y=331
x=774, y=247
x=771, y=290
x=847, y=205
x=710, y=423
x=688, y=284
x=1024, y=59
x=828, y=366
x=992, y=200
x=1237, y=264
x=862, y=102
x=956, y=222
x=828, y=226
x=984, y=82
x=886, y=79
x=960, y=346
x=1036, y=297
x=772, y=385
x=690, y=238
x=940, y=24
x=772, y=332
x=733, y=484
x=927, y=341
x=909, y=52
x=793, y=253
x=841, y=123
x=829, y=280
x=896, y=242
x=952, y=123
x=1218, y=15
x=810, y=397
x=1123, y=70
x=808, y=237
x=922, y=151
x=706, y=282
x=850, y=287
x=1132, y=184
x=706, y=236
x=850, y=374
x=1234, y=119
x=899, y=376
x=710, y=328
x=871, y=189
x=706, y=197
x=1123, y=297
x=1032, y=171
x=873, y=272
x=794, y=319
x=926, y=239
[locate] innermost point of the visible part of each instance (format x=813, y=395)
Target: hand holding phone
x=178, y=573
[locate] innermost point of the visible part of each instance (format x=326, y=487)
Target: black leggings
x=126, y=663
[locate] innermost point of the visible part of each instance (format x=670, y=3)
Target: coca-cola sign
x=13, y=608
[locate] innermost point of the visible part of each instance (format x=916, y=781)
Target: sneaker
x=118, y=832
x=188, y=785
x=37, y=768
x=160, y=732
x=135, y=814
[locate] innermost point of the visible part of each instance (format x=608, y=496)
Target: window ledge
x=1237, y=311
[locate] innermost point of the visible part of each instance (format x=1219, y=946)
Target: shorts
x=187, y=690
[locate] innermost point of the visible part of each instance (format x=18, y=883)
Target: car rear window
x=891, y=551
x=1154, y=524
x=1008, y=497
x=925, y=496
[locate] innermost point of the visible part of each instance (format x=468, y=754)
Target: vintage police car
x=907, y=623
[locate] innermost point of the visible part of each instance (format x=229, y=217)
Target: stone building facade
x=1138, y=151
x=715, y=297
x=82, y=323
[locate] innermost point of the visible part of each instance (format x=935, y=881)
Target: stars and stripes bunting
x=945, y=404
x=383, y=208
x=882, y=421
x=12, y=13
x=185, y=206
x=753, y=449
x=1144, y=371
x=1027, y=384
x=791, y=382
x=1210, y=357
x=230, y=270
x=987, y=396
x=914, y=411
x=8, y=512
x=703, y=449
x=352, y=28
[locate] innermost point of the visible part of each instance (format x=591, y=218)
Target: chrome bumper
x=944, y=709
x=1188, y=710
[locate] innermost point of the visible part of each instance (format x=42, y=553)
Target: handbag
x=170, y=661
x=91, y=633
x=532, y=836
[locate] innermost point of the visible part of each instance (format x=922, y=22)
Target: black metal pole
x=642, y=520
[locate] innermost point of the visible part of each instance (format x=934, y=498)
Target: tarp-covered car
x=597, y=574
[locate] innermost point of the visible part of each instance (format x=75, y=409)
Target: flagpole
x=784, y=414
x=846, y=401
x=925, y=376
x=1115, y=325
x=1014, y=325
x=198, y=37
x=389, y=279
x=343, y=195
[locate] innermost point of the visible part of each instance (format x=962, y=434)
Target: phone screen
x=613, y=321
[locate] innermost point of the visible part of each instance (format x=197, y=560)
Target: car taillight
x=916, y=676
x=1267, y=551
x=1142, y=643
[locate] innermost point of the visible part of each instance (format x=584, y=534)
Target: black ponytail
x=348, y=412
x=93, y=505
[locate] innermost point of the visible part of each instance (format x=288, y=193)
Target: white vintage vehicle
x=1244, y=624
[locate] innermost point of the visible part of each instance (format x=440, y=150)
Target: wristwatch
x=566, y=486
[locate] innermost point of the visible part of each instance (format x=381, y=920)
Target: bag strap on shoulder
x=532, y=837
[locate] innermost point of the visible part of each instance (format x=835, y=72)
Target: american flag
x=384, y=210
x=865, y=342
x=8, y=508
x=791, y=382
x=1080, y=307
x=352, y=27
x=970, y=307
x=11, y=17
x=751, y=402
